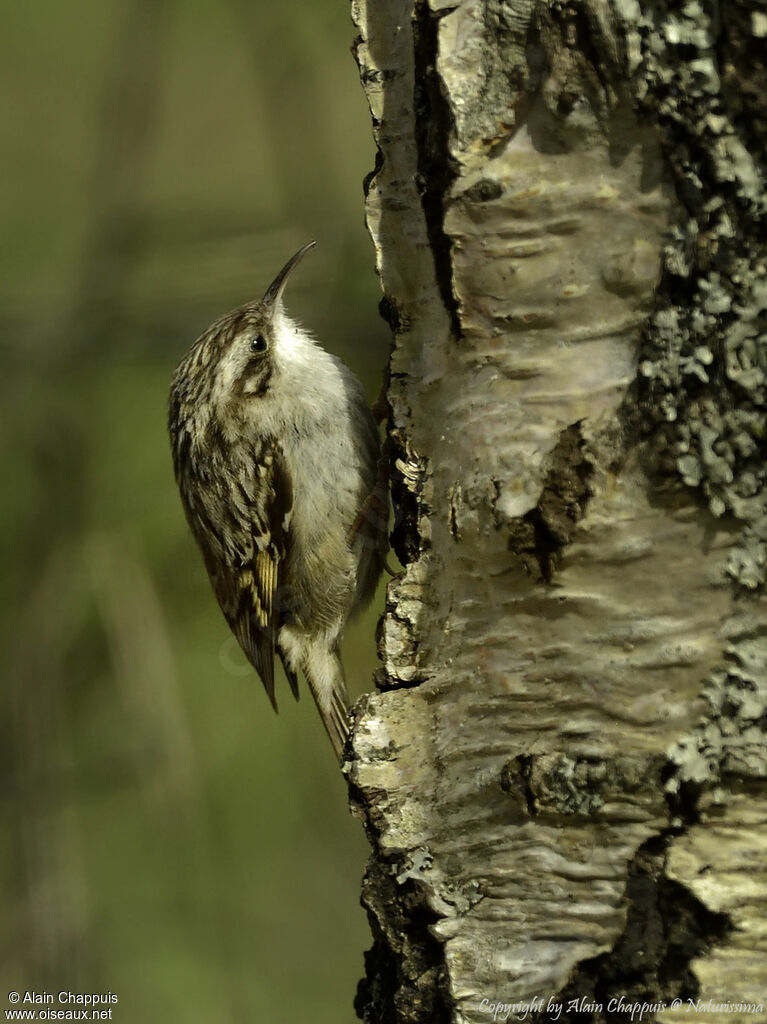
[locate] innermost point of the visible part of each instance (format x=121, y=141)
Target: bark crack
x=540, y=537
x=408, y=477
x=405, y=978
x=436, y=167
x=667, y=927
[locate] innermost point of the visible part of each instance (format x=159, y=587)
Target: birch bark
x=563, y=774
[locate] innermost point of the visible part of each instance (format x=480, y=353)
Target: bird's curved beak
x=274, y=291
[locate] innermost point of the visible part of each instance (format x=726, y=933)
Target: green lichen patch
x=703, y=367
x=730, y=739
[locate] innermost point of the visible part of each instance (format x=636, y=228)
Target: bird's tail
x=325, y=676
x=336, y=721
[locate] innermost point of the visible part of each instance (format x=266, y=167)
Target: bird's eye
x=258, y=343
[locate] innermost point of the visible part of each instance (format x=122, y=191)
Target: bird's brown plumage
x=275, y=453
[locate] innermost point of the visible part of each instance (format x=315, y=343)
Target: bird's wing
x=247, y=578
x=257, y=619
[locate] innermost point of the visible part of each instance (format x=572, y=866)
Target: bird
x=276, y=454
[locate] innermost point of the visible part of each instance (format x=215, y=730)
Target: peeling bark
x=562, y=775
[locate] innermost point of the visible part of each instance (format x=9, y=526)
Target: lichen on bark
x=703, y=369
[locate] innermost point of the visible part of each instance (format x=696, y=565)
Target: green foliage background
x=165, y=837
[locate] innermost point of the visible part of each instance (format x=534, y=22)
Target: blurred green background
x=165, y=836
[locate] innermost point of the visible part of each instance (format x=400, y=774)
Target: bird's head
x=234, y=362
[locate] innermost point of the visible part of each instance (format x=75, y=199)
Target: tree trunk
x=563, y=774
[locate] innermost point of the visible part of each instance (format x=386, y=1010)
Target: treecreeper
x=276, y=456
